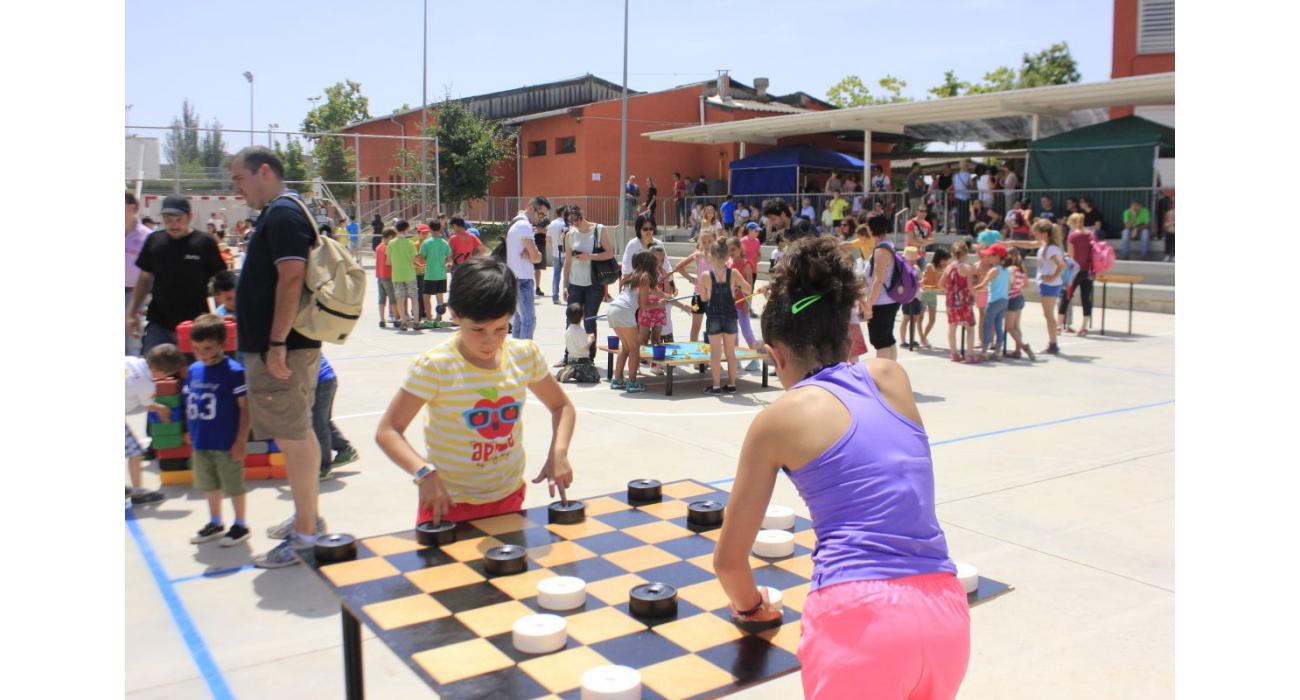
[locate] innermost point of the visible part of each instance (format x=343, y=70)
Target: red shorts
x=890, y=638
x=859, y=343
x=472, y=511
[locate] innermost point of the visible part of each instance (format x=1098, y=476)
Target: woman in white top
x=984, y=184
x=1051, y=265
x=709, y=221
x=577, y=283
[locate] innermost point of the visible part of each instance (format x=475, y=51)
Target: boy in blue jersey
x=216, y=408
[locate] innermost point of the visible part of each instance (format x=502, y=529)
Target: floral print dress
x=959, y=297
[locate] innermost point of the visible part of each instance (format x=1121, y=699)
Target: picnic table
x=1118, y=279
x=683, y=355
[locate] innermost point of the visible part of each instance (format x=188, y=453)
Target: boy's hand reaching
x=556, y=472
x=434, y=496
x=239, y=451
x=163, y=413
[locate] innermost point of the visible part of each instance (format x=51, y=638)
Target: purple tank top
x=871, y=493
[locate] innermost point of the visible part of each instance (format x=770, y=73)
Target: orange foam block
x=176, y=477
x=257, y=473
x=279, y=472
x=277, y=459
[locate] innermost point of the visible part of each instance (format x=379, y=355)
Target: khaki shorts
x=216, y=469
x=281, y=409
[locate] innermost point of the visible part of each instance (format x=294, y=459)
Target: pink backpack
x=1103, y=257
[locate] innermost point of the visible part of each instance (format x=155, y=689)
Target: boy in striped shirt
x=473, y=388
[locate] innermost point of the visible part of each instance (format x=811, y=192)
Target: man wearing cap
x=136, y=234
x=280, y=364
x=175, y=264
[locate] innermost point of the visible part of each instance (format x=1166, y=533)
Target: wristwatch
x=423, y=473
x=276, y=343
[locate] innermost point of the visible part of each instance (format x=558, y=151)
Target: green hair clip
x=805, y=303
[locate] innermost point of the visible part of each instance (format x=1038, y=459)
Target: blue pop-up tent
x=779, y=170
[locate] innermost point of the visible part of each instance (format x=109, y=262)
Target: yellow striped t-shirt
x=473, y=430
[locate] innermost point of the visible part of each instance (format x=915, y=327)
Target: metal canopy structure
x=1000, y=116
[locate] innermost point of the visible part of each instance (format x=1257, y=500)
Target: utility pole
x=269, y=129
x=424, y=115
x=622, y=147
x=252, y=130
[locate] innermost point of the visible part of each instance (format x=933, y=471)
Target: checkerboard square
x=780, y=579
x=521, y=585
x=807, y=538
x=358, y=570
x=401, y=612
x=800, y=566
x=601, y=624
x=603, y=505
x=588, y=569
x=390, y=544
x=419, y=559
x=685, y=489
x=471, y=549
x=684, y=677
x=627, y=518
x=688, y=547
x=459, y=661
x=712, y=534
x=705, y=561
x=562, y=670
x=563, y=552
x=677, y=574
x=699, y=632
x=506, y=683
x=475, y=595
x=441, y=578
x=666, y=510
x=795, y=597
x=786, y=636
x=532, y=537
x=493, y=619
x=498, y=524
x=586, y=528
x=653, y=533
x=612, y=541
x=638, y=650
x=751, y=659
x=706, y=595
x=641, y=558
x=613, y=591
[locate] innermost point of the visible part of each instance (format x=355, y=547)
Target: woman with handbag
x=588, y=266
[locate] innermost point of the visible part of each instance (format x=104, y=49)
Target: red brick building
x=1143, y=43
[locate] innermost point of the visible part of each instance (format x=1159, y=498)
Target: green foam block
x=173, y=428
x=173, y=401
x=166, y=442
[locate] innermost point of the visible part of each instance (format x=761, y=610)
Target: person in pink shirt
x=750, y=243
x=384, y=278
x=136, y=233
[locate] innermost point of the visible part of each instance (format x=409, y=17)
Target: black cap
x=175, y=204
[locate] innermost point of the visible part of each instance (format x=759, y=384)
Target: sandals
x=1083, y=332
x=974, y=359
x=955, y=357
x=1030, y=353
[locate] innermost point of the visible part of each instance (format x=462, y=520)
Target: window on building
x=566, y=144
x=1155, y=26
x=536, y=148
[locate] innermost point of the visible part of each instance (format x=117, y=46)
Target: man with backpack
x=281, y=365
x=891, y=282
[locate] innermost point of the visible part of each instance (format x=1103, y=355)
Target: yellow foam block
x=277, y=459
x=177, y=477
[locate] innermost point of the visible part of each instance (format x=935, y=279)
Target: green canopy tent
x=1112, y=163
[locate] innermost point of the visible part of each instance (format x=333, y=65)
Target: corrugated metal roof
x=755, y=105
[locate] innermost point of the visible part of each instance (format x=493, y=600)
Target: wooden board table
x=1130, y=280
x=684, y=355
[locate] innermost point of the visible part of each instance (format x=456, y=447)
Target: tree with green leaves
x=405, y=174
x=212, y=149
x=335, y=159
x=182, y=142
x=297, y=172
x=470, y=148
x=852, y=92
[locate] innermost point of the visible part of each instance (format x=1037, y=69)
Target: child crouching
x=577, y=341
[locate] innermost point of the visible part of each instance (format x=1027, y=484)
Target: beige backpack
x=334, y=289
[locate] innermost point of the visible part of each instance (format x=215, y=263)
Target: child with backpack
x=913, y=309
x=1081, y=244
x=891, y=282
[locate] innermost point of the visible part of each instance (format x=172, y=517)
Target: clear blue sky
x=199, y=50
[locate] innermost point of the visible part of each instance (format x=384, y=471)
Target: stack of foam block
x=264, y=461
x=170, y=440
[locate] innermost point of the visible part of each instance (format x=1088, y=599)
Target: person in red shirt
x=1080, y=242
x=384, y=278
x=679, y=198
x=918, y=230
x=464, y=245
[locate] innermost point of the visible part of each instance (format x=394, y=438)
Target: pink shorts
x=903, y=638
x=461, y=512
x=859, y=343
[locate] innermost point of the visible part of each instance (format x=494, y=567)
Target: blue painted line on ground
x=189, y=633
x=1018, y=428
x=215, y=573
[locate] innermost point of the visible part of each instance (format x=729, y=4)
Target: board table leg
x=1103, y=308
x=668, y=387
x=1130, y=308
x=764, y=374
x=609, y=365
x=355, y=688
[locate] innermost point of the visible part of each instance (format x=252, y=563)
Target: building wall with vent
x=1143, y=42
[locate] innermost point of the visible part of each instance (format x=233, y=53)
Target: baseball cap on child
x=422, y=228
x=996, y=249
x=752, y=225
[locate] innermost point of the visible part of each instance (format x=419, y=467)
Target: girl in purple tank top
x=885, y=616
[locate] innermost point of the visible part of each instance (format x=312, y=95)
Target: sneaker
x=429, y=325
x=210, y=532
x=346, y=456
x=145, y=498
x=713, y=391
x=657, y=370
x=235, y=535
x=327, y=473
x=634, y=387
x=1053, y=350
x=751, y=366
x=283, y=530
x=280, y=556
x=617, y=384
x=729, y=389
x=382, y=324
x=540, y=293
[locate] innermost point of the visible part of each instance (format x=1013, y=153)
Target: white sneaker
x=281, y=531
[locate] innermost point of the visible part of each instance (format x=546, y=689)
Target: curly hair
x=818, y=333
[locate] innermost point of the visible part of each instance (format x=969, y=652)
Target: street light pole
x=622, y=147
x=248, y=75
x=424, y=114
x=269, y=128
